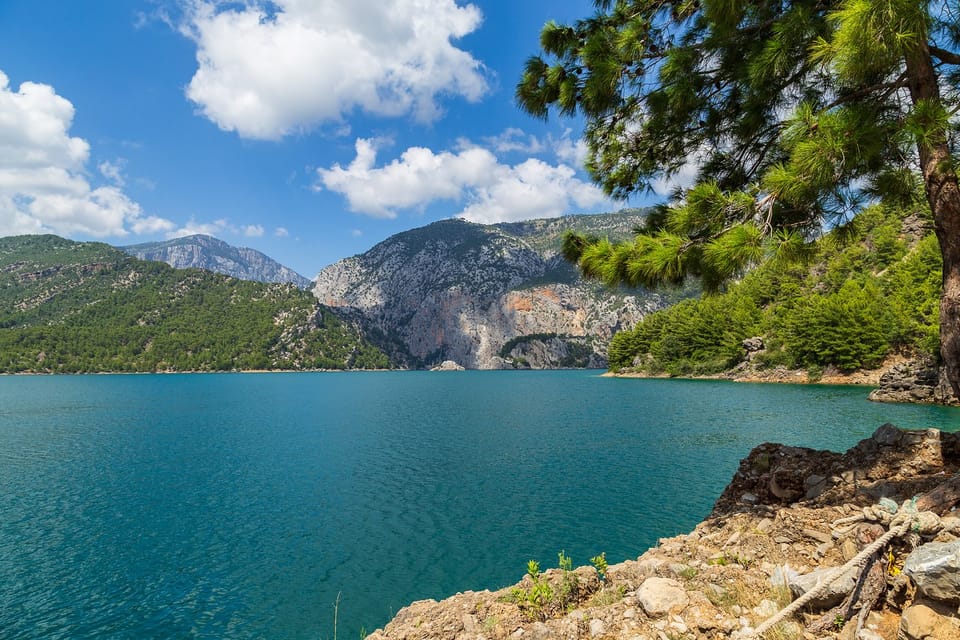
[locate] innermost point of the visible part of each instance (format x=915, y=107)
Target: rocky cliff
x=211, y=254
x=488, y=296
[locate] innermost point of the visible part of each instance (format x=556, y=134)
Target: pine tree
x=791, y=114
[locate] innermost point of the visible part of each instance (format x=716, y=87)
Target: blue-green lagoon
x=240, y=506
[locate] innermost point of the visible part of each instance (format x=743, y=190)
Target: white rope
x=857, y=561
x=901, y=521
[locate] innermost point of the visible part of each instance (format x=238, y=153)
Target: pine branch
x=945, y=56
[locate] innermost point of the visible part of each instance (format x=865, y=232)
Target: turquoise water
x=210, y=506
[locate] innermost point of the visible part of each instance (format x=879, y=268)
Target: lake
x=241, y=505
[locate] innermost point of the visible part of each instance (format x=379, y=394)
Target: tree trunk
x=943, y=194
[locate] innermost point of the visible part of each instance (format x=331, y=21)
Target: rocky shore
x=918, y=380
x=788, y=516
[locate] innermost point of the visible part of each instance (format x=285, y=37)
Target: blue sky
x=307, y=129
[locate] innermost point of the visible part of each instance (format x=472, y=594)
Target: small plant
x=540, y=599
x=533, y=601
x=724, y=560
x=689, y=573
x=600, y=564
x=568, y=586
x=839, y=621
x=607, y=596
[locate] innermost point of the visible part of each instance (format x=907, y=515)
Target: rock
x=765, y=526
x=848, y=550
x=838, y=590
x=482, y=294
x=819, y=536
x=659, y=596
x=918, y=380
x=935, y=568
x=887, y=434
x=752, y=346
x=920, y=622
x=650, y=563
x=597, y=628
x=447, y=365
x=815, y=485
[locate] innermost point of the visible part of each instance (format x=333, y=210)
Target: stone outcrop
x=488, y=296
x=211, y=254
x=447, y=365
x=916, y=381
x=729, y=575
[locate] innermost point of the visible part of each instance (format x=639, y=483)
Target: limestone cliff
x=470, y=293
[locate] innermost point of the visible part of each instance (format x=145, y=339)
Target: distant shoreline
x=781, y=375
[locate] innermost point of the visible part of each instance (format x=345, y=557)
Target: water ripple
x=216, y=506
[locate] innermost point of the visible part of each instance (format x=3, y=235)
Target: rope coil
x=900, y=521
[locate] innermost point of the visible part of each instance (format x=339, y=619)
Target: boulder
x=835, y=593
x=447, y=365
x=935, y=568
x=660, y=596
x=921, y=622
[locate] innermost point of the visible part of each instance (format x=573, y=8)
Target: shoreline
x=782, y=375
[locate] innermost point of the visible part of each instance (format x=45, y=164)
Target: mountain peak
x=201, y=251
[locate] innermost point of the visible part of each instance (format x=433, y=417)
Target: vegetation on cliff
x=867, y=291
x=69, y=307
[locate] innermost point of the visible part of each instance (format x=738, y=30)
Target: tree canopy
x=789, y=116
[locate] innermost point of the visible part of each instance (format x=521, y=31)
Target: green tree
x=792, y=112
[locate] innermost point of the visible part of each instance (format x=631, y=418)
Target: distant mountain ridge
x=212, y=254
x=489, y=296
x=75, y=307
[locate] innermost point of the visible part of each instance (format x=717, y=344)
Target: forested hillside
x=865, y=291
x=84, y=307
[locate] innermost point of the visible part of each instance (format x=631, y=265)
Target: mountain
x=488, y=296
x=87, y=307
x=206, y=252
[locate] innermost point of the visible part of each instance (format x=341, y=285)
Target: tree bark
x=943, y=194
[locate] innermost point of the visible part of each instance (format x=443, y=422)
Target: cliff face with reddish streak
x=488, y=296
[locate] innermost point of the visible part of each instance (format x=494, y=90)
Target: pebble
x=597, y=628
x=819, y=536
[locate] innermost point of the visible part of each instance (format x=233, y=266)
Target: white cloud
x=113, y=171
x=513, y=139
x=269, y=69
x=222, y=227
x=573, y=152
x=43, y=187
x=485, y=189
x=281, y=232
x=192, y=227
x=356, y=233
